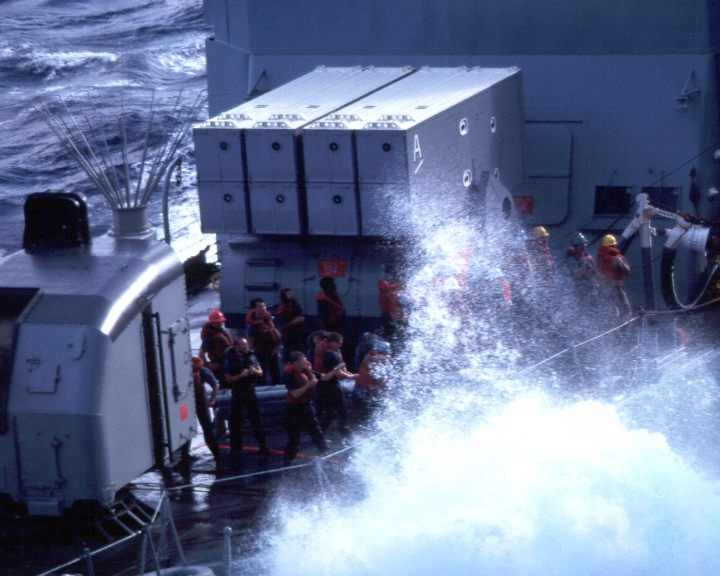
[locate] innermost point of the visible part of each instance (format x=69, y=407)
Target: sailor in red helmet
x=614, y=270
x=215, y=341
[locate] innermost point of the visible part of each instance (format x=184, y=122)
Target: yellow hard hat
x=540, y=232
x=608, y=240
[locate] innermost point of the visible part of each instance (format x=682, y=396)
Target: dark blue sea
x=98, y=58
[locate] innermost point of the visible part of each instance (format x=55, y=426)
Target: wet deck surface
x=203, y=501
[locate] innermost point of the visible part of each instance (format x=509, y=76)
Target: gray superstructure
x=619, y=98
x=355, y=168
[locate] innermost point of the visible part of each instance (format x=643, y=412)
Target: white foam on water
x=532, y=487
x=489, y=473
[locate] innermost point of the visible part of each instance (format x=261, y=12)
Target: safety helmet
x=197, y=362
x=216, y=316
x=608, y=240
x=540, y=232
x=579, y=240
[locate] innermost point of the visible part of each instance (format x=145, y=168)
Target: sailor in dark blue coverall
x=242, y=370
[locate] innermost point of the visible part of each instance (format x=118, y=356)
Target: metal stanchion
x=227, y=550
x=173, y=531
x=87, y=557
x=143, y=551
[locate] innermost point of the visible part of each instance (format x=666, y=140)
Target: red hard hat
x=197, y=362
x=216, y=316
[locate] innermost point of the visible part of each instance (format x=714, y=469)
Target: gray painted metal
x=614, y=93
x=366, y=167
x=105, y=287
x=464, y=26
x=437, y=135
x=79, y=409
x=263, y=131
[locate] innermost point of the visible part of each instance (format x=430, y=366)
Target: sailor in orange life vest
x=370, y=382
x=202, y=376
x=215, y=341
x=330, y=401
x=330, y=307
x=584, y=272
x=389, y=301
x=541, y=258
x=301, y=383
x=289, y=315
x=265, y=337
x=614, y=270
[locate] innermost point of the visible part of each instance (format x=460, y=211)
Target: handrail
x=107, y=547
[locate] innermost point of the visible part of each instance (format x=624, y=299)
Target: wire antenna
x=126, y=178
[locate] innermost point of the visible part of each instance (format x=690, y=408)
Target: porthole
x=464, y=127
x=467, y=178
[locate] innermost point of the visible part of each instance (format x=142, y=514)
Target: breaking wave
x=530, y=487
x=482, y=468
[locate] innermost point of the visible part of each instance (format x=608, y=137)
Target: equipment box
x=440, y=139
x=265, y=132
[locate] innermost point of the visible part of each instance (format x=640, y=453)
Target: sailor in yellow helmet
x=608, y=240
x=541, y=258
x=540, y=232
x=614, y=270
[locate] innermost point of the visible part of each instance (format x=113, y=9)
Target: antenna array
x=112, y=171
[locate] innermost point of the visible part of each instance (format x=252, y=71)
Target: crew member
x=389, y=301
x=583, y=272
x=370, y=382
x=292, y=322
x=215, y=341
x=614, y=270
x=202, y=376
x=265, y=337
x=316, y=348
x=242, y=371
x=543, y=263
x=330, y=306
x=330, y=399
x=301, y=383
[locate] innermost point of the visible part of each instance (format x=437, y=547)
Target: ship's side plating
x=97, y=385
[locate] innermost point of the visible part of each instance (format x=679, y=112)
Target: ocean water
x=97, y=57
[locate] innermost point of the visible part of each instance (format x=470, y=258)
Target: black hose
x=667, y=282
